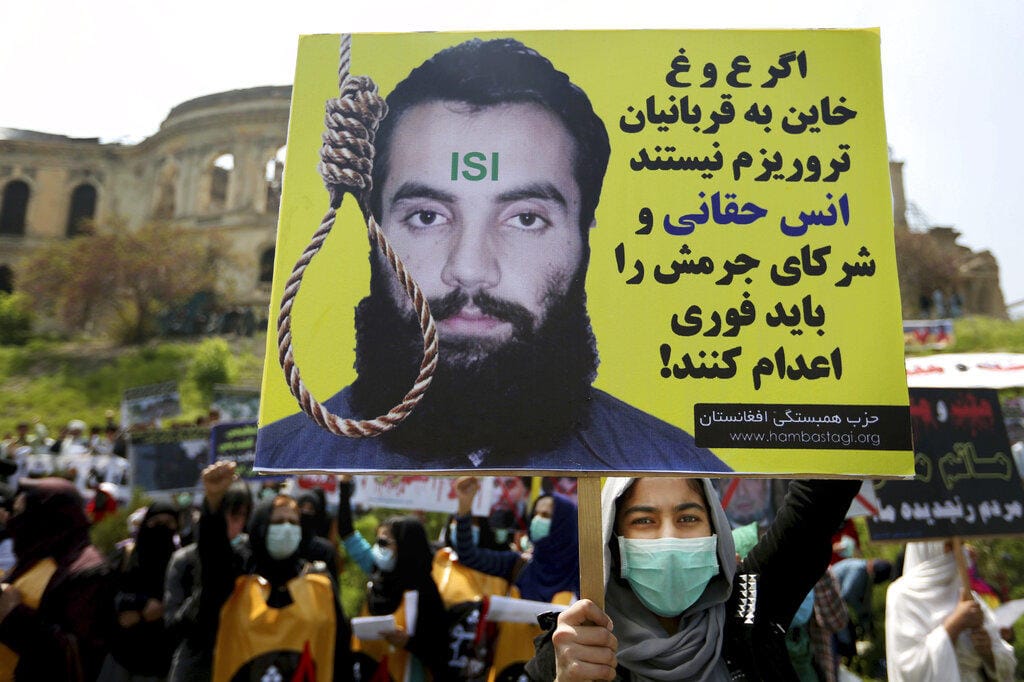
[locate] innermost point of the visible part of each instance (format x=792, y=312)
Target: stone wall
x=977, y=284
x=214, y=167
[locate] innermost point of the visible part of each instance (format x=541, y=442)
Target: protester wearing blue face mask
x=275, y=534
x=366, y=556
x=551, y=567
x=678, y=605
x=502, y=524
x=399, y=560
x=402, y=559
x=453, y=529
x=484, y=534
x=275, y=554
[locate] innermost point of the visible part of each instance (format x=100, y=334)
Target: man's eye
x=424, y=218
x=528, y=221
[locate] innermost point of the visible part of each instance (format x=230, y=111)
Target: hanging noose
x=346, y=162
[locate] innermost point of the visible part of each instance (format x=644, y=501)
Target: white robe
x=918, y=648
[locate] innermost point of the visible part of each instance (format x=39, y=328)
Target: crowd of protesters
x=159, y=607
x=89, y=456
x=247, y=584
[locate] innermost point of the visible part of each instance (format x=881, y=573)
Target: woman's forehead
x=285, y=511
x=660, y=492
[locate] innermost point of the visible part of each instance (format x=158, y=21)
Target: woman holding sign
x=403, y=557
x=936, y=631
x=678, y=604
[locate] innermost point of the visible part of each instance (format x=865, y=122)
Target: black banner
x=802, y=427
x=235, y=442
x=967, y=483
x=169, y=459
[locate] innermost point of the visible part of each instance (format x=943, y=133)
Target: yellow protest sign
x=705, y=213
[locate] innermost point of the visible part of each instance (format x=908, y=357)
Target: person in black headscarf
x=142, y=648
x=275, y=545
x=191, y=629
x=276, y=539
x=498, y=538
x=553, y=564
x=403, y=559
x=316, y=526
x=61, y=631
x=313, y=506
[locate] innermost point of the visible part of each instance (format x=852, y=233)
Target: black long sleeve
x=219, y=566
x=796, y=550
x=345, y=527
x=789, y=559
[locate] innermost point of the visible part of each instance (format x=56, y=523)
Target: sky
x=952, y=74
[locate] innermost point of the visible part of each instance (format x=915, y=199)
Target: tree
x=115, y=278
x=923, y=267
x=15, y=319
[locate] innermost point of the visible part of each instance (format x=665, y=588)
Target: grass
x=56, y=381
x=987, y=334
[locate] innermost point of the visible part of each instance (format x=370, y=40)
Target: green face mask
x=669, y=574
x=539, y=528
x=283, y=539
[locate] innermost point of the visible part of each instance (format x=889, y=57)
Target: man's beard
x=523, y=394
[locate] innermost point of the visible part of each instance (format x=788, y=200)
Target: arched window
x=13, y=208
x=267, y=266
x=220, y=180
x=6, y=280
x=82, y=209
x=273, y=175
x=166, y=192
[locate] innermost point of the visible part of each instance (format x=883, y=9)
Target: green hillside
x=59, y=381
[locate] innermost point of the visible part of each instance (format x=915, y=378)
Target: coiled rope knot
x=346, y=166
x=346, y=156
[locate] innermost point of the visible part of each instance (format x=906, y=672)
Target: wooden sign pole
x=961, y=563
x=588, y=492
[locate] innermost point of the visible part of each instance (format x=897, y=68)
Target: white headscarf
x=918, y=648
x=694, y=652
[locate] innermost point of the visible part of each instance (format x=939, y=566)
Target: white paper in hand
x=509, y=610
x=371, y=627
x=1008, y=613
x=412, y=605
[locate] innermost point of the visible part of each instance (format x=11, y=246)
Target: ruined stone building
x=969, y=277
x=214, y=167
